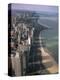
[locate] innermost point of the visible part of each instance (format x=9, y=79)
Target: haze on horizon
x=39, y=8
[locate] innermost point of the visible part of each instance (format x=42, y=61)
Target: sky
x=43, y=8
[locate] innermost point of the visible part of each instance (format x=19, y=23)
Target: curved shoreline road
x=46, y=63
